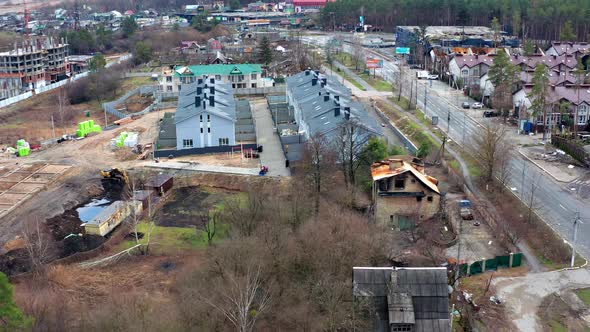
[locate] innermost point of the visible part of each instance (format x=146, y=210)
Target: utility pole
x=522, y=183
x=576, y=222
x=458, y=251
x=53, y=127
x=463, y=130
x=449, y=122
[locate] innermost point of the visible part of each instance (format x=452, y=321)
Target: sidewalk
x=557, y=169
x=272, y=154
x=352, y=74
x=174, y=165
x=356, y=91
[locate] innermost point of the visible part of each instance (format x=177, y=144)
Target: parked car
x=422, y=74
x=465, y=209
x=415, y=66
x=432, y=77
x=490, y=114
x=476, y=105
x=465, y=104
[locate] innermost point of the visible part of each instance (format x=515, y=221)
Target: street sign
x=402, y=50
x=434, y=120
x=362, y=20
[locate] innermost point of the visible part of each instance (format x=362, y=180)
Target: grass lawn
x=557, y=326
x=348, y=78
x=170, y=240
x=377, y=83
x=584, y=295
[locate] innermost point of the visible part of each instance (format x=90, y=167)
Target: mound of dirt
x=14, y=262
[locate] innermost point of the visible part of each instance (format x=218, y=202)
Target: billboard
x=374, y=63
x=402, y=50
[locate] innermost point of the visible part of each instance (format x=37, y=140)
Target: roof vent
x=314, y=81
x=211, y=100
x=197, y=101
x=212, y=90
x=347, y=113
x=199, y=90
x=336, y=111
x=200, y=81
x=307, y=72
x=204, y=104
x=326, y=97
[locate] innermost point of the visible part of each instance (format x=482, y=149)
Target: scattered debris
x=495, y=300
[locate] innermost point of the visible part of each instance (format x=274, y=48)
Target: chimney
x=476, y=56
x=319, y=93
x=211, y=100
x=552, y=87
x=197, y=101
x=337, y=97
x=554, y=57
x=347, y=113
x=307, y=72
x=317, y=73
x=326, y=97
x=322, y=85
x=324, y=81
x=314, y=81
x=204, y=104
x=337, y=111
x=212, y=90
x=199, y=90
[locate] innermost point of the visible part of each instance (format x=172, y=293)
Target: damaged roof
x=388, y=168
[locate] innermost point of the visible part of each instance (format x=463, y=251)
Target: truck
x=422, y=74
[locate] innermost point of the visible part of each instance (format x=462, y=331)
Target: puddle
x=93, y=208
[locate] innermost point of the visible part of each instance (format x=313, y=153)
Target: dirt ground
x=235, y=160
x=135, y=103
x=186, y=204
x=556, y=314
x=12, y=6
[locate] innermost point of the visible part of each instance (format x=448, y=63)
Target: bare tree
x=316, y=162
x=62, y=107
x=357, y=52
x=243, y=299
x=38, y=245
x=532, y=201
x=491, y=143
x=245, y=214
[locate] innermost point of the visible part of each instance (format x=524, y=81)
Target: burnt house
x=413, y=299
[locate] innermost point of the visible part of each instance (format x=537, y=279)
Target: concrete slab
x=41, y=178
x=6, y=185
x=16, y=176
x=55, y=169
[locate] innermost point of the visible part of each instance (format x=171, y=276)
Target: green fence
x=491, y=264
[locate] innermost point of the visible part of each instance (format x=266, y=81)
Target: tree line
x=528, y=19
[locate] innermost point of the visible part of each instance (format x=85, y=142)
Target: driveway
x=523, y=295
x=272, y=154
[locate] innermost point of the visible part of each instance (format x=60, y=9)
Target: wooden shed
x=161, y=184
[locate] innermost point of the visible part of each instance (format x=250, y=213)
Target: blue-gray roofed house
x=322, y=105
x=205, y=115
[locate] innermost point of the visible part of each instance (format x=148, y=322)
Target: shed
x=111, y=217
x=143, y=196
x=161, y=183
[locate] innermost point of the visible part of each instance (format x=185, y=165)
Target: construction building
x=31, y=65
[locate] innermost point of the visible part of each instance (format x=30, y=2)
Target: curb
x=541, y=167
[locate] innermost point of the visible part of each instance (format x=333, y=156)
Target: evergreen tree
x=11, y=318
x=567, y=32
x=142, y=54
x=129, y=27
x=97, y=62
x=503, y=76
x=264, y=51
x=529, y=47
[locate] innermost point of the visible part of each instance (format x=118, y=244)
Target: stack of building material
x=87, y=127
x=131, y=140
x=23, y=148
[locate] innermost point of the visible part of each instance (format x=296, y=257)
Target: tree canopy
x=97, y=62
x=265, y=52
x=129, y=26
x=11, y=318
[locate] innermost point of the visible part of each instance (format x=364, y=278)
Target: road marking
x=563, y=207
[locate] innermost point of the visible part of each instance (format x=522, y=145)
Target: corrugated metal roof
x=218, y=69
x=224, y=105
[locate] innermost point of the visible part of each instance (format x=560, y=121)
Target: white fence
x=15, y=99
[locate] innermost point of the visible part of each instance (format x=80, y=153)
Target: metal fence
x=492, y=264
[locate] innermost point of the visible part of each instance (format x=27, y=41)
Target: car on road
x=490, y=114
x=476, y=105
x=465, y=209
x=465, y=104
x=432, y=77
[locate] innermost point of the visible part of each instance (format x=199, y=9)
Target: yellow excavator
x=115, y=174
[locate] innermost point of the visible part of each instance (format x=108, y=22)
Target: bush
x=78, y=91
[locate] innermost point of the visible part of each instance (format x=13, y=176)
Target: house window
x=168, y=78
x=208, y=117
x=209, y=129
x=169, y=88
x=418, y=198
x=399, y=183
x=201, y=117
x=429, y=198
x=465, y=72
x=224, y=141
x=253, y=85
x=179, y=87
x=218, y=77
x=253, y=76
x=240, y=78
x=413, y=180
x=401, y=328
x=201, y=130
x=187, y=143
x=475, y=72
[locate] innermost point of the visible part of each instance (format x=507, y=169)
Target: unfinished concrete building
x=32, y=64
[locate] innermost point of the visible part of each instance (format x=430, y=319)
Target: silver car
x=476, y=105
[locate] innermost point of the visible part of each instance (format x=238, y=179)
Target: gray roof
x=318, y=103
x=167, y=134
x=223, y=96
x=391, y=287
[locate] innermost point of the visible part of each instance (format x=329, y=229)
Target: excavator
x=115, y=174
